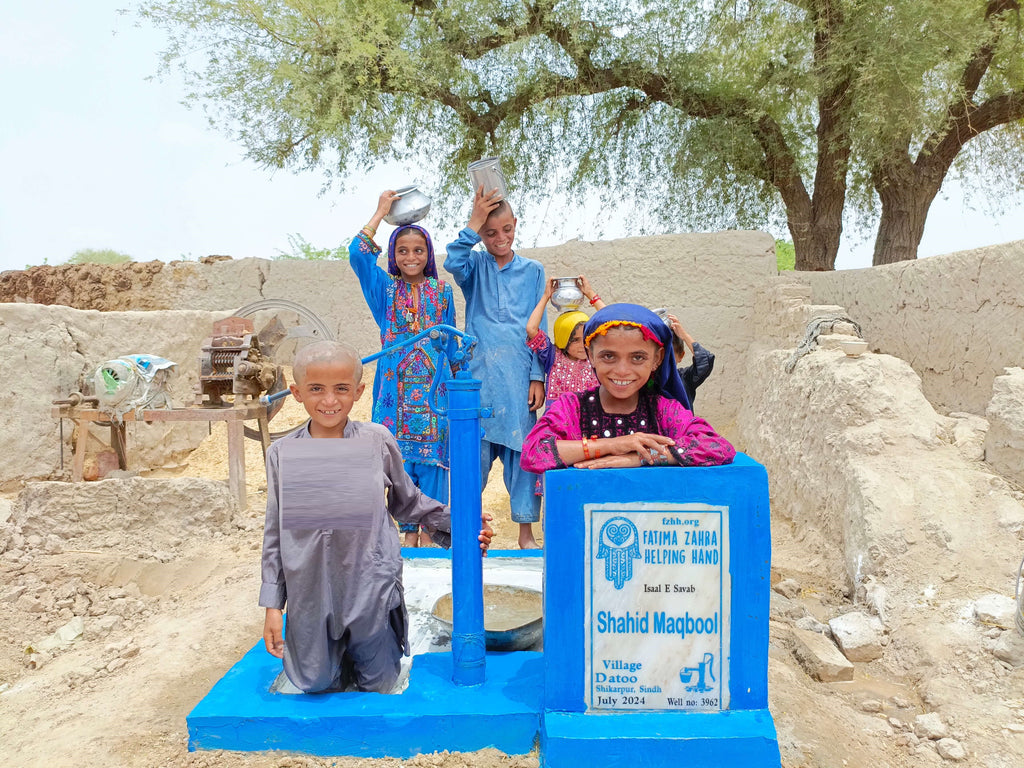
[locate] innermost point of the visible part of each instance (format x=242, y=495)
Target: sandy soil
x=158, y=632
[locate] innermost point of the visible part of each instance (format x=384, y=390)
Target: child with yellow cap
x=565, y=362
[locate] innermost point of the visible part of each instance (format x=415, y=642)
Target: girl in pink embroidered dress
x=565, y=362
x=637, y=416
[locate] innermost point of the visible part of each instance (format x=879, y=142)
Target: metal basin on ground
x=513, y=616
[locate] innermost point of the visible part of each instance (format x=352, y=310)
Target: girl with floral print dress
x=404, y=300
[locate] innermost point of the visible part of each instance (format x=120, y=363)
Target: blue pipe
x=468, y=648
x=443, y=337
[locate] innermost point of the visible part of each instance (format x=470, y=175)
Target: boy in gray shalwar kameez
x=339, y=570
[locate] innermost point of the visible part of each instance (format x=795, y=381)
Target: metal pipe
x=468, y=651
x=433, y=331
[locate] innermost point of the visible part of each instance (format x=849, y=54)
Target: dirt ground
x=159, y=630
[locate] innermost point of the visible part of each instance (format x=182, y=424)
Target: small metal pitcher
x=487, y=171
x=567, y=294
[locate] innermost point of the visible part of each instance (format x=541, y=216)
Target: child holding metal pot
x=565, y=361
x=405, y=299
x=637, y=416
x=501, y=289
x=703, y=361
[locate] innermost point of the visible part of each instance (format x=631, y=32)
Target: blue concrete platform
x=659, y=739
x=240, y=713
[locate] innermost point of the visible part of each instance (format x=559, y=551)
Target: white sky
x=92, y=155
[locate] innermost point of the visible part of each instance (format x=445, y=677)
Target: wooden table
x=234, y=418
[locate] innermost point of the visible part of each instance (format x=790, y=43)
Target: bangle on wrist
x=586, y=448
x=594, y=300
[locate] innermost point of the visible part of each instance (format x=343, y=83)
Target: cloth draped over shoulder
x=499, y=301
x=401, y=383
x=666, y=379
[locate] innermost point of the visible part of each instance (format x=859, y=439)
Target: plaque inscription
x=657, y=613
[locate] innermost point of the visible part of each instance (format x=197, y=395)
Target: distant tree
x=717, y=113
x=785, y=255
x=99, y=256
x=302, y=249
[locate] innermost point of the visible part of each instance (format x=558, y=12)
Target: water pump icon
x=703, y=670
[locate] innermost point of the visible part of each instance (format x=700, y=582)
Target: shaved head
x=326, y=353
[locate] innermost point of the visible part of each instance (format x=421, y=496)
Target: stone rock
x=811, y=624
x=995, y=609
x=1004, y=443
x=1009, y=647
x=819, y=657
x=858, y=635
x=871, y=705
x=31, y=604
x=788, y=588
x=98, y=515
x=925, y=756
x=780, y=607
x=930, y=726
x=950, y=749
x=969, y=435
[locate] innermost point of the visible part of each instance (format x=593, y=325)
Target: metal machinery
x=232, y=361
x=236, y=360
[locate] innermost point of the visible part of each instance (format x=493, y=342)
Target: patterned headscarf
x=430, y=269
x=666, y=378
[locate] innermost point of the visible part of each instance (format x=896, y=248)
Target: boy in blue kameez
x=501, y=290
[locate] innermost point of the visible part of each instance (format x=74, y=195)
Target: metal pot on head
x=567, y=294
x=486, y=172
x=411, y=206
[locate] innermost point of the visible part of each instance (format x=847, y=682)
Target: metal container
x=662, y=312
x=487, y=171
x=513, y=616
x=412, y=206
x=567, y=294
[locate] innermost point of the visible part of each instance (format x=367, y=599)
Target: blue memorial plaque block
x=658, y=598
x=656, y=592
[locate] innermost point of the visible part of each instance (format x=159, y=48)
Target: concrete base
x=660, y=739
x=240, y=713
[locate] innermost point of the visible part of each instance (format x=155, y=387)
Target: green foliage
x=99, y=256
x=302, y=249
x=702, y=114
x=785, y=255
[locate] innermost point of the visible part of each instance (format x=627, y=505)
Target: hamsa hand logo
x=618, y=546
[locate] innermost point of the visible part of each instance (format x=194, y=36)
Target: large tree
x=706, y=113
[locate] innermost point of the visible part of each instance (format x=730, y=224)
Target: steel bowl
x=412, y=206
x=513, y=616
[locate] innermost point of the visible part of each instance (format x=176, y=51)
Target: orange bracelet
x=586, y=449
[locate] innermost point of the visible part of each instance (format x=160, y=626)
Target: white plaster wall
x=1004, y=443
x=48, y=351
x=957, y=319
x=711, y=281
x=867, y=477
